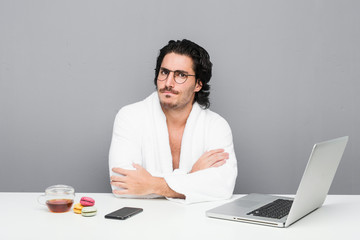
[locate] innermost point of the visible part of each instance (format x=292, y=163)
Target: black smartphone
x=124, y=213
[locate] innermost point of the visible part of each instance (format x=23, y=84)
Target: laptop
x=279, y=211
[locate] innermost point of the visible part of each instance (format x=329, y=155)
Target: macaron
x=88, y=211
x=77, y=208
x=87, y=201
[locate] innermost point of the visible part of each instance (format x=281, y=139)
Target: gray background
x=286, y=75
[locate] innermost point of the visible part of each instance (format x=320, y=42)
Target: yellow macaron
x=78, y=208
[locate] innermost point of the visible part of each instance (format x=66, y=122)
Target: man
x=171, y=144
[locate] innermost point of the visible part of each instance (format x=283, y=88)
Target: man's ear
x=198, y=85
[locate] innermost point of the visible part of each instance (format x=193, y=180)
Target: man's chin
x=168, y=105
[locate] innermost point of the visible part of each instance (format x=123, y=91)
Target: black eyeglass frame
x=175, y=71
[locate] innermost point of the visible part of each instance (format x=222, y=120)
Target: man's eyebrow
x=182, y=71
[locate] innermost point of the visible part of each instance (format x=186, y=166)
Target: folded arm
x=212, y=176
x=141, y=182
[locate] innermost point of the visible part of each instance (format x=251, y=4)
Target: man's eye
x=182, y=75
x=164, y=72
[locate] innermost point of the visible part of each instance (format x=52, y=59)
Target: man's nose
x=170, y=80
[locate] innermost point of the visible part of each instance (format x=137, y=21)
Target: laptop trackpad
x=247, y=203
x=254, y=200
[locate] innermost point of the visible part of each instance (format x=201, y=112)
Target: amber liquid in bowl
x=59, y=205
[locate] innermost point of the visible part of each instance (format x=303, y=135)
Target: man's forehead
x=174, y=61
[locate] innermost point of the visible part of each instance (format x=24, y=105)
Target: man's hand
x=133, y=182
x=141, y=182
x=213, y=158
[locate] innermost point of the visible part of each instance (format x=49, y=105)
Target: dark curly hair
x=202, y=66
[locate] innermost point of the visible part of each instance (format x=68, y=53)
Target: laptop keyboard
x=276, y=209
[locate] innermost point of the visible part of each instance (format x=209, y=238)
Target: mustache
x=168, y=89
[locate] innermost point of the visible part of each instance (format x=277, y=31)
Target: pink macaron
x=87, y=201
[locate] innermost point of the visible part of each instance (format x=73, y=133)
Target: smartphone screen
x=124, y=213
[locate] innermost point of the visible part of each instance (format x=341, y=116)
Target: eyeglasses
x=179, y=76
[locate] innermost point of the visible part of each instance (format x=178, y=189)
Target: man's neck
x=176, y=118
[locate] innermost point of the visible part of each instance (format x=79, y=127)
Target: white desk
x=21, y=217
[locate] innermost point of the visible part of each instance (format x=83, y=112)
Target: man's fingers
x=118, y=184
x=117, y=178
x=121, y=171
x=215, y=151
x=210, y=153
x=137, y=166
x=218, y=157
x=121, y=192
x=219, y=163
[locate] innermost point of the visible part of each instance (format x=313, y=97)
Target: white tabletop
x=22, y=217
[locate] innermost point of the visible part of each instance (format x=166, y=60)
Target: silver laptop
x=279, y=211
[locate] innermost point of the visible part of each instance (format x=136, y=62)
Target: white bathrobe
x=140, y=135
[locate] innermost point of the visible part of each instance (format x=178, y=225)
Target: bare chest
x=175, y=137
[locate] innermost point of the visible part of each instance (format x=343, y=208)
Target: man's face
x=173, y=95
